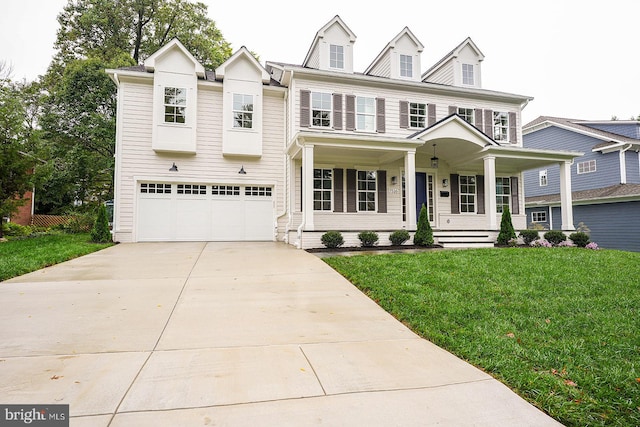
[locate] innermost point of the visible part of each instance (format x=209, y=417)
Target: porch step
x=465, y=239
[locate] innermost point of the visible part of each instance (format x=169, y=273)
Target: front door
x=424, y=194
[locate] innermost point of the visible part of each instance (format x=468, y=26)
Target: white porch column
x=490, y=207
x=566, y=202
x=410, y=188
x=307, y=187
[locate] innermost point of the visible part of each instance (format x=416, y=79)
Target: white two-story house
x=288, y=152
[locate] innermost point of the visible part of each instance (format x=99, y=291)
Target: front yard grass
x=559, y=326
x=22, y=256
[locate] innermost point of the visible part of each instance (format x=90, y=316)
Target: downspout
x=302, y=224
x=116, y=169
x=623, y=164
x=285, y=209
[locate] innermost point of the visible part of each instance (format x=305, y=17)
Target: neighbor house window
x=542, y=175
x=321, y=109
x=539, y=216
x=587, y=167
x=242, y=111
x=417, y=115
x=500, y=126
x=467, y=74
x=336, y=56
x=322, y=185
x=175, y=104
x=367, y=191
x=467, y=193
x=503, y=193
x=406, y=66
x=365, y=113
x=466, y=114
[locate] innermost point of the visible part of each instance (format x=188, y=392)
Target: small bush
x=592, y=245
x=579, y=238
x=566, y=244
x=13, y=229
x=399, y=237
x=368, y=238
x=332, y=239
x=555, y=237
x=79, y=223
x=540, y=243
x=424, y=233
x=100, y=232
x=529, y=236
x=507, y=231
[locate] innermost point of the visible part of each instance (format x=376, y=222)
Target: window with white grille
x=225, y=190
x=191, y=189
x=257, y=191
x=152, y=188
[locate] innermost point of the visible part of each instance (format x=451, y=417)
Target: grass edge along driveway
x=559, y=326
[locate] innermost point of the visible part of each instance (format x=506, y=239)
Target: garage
x=201, y=212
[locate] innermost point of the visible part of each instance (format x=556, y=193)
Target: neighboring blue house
x=605, y=181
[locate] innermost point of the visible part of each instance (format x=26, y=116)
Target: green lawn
x=25, y=255
x=559, y=326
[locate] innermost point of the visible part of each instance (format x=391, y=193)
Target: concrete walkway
x=229, y=334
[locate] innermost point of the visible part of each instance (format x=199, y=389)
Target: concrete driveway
x=229, y=334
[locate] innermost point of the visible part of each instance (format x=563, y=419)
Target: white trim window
x=175, y=104
x=503, y=193
x=336, y=56
x=467, y=187
x=366, y=114
x=539, y=216
x=406, y=66
x=542, y=178
x=321, y=109
x=242, y=111
x=367, y=191
x=417, y=115
x=467, y=114
x=586, y=166
x=467, y=75
x=322, y=187
x=501, y=126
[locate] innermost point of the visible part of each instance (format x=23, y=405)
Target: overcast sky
x=578, y=59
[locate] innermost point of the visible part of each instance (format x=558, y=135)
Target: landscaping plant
x=424, y=233
x=579, y=238
x=398, y=237
x=332, y=239
x=555, y=237
x=507, y=232
x=368, y=238
x=529, y=236
x=100, y=232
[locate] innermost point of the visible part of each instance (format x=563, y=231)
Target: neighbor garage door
x=198, y=212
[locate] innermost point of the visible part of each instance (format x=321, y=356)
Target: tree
x=424, y=233
x=100, y=232
x=507, y=231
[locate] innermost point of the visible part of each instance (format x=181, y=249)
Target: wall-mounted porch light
x=445, y=183
x=394, y=180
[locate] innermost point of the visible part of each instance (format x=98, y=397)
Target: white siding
x=444, y=74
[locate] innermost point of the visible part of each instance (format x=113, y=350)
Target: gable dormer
x=242, y=79
x=460, y=67
x=175, y=80
x=400, y=59
x=332, y=48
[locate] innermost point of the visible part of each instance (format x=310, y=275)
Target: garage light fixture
x=242, y=171
x=173, y=168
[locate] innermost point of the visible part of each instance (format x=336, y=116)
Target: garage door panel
x=228, y=220
x=155, y=220
x=193, y=219
x=258, y=219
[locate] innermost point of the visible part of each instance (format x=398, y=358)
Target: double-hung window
x=500, y=126
x=542, y=175
x=336, y=56
x=503, y=193
x=586, y=167
x=467, y=74
x=322, y=186
x=242, y=111
x=466, y=114
x=175, y=104
x=417, y=115
x=406, y=66
x=467, y=193
x=321, y=109
x=365, y=114
x=367, y=191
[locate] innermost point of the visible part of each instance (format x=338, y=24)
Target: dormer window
x=467, y=74
x=406, y=66
x=336, y=56
x=242, y=111
x=175, y=104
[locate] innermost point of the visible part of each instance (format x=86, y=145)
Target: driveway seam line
x=313, y=369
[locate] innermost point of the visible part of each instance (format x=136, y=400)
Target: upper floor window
x=466, y=114
x=467, y=74
x=503, y=193
x=322, y=184
x=242, y=111
x=365, y=114
x=336, y=56
x=367, y=191
x=321, y=109
x=500, y=126
x=417, y=115
x=587, y=167
x=175, y=104
x=406, y=66
x=467, y=193
x=542, y=175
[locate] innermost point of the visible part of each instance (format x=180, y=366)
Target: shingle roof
x=610, y=137
x=612, y=192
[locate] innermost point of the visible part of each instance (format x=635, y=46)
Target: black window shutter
x=455, y=194
x=404, y=114
x=478, y=118
x=338, y=190
x=351, y=190
x=488, y=123
x=480, y=192
x=350, y=105
x=431, y=114
x=380, y=115
x=513, y=135
x=515, y=199
x=305, y=108
x=337, y=111
x=453, y=109
x=382, y=191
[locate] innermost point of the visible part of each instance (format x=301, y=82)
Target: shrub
x=424, y=233
x=13, y=229
x=555, y=237
x=368, y=238
x=579, y=238
x=398, y=237
x=566, y=243
x=332, y=239
x=541, y=243
x=592, y=245
x=529, y=236
x=513, y=242
x=100, y=232
x=79, y=223
x=506, y=228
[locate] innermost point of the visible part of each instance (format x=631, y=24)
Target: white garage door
x=197, y=212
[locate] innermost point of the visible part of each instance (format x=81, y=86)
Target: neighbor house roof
x=618, y=192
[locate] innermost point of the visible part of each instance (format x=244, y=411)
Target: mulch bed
x=373, y=248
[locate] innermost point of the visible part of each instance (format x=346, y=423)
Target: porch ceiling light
x=434, y=159
x=173, y=168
